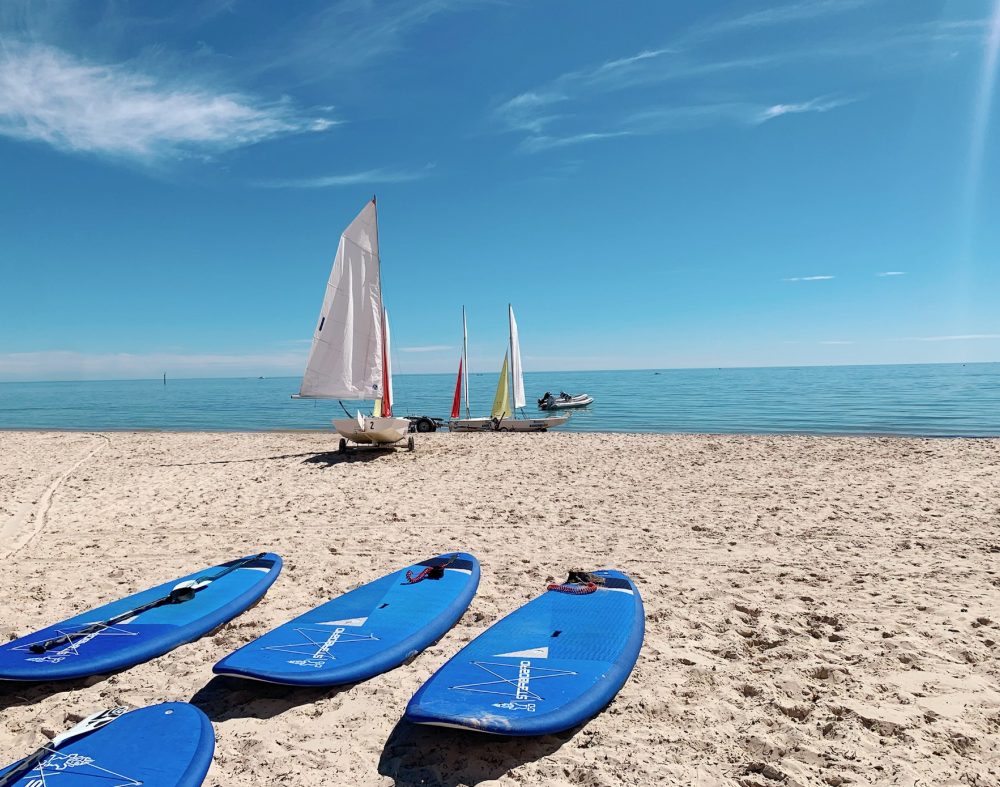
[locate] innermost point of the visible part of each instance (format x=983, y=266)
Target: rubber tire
x=425, y=425
x=342, y=448
x=410, y=444
x=504, y=429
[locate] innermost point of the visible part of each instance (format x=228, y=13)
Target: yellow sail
x=501, y=402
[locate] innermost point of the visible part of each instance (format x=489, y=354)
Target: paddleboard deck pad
x=168, y=745
x=546, y=667
x=367, y=631
x=83, y=645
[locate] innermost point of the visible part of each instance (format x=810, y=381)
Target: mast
x=516, y=372
x=465, y=360
x=387, y=396
x=384, y=406
x=510, y=334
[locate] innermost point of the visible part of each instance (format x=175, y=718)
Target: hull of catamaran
x=506, y=424
x=372, y=430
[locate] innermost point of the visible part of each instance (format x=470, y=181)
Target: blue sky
x=651, y=184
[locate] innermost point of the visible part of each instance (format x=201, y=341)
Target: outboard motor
x=544, y=400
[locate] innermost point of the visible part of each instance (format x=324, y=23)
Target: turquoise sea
x=934, y=400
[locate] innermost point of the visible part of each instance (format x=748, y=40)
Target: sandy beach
x=819, y=611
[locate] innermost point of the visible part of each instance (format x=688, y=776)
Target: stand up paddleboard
x=142, y=626
x=367, y=631
x=546, y=667
x=168, y=745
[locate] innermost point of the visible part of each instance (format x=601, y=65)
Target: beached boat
x=509, y=395
x=350, y=357
x=563, y=401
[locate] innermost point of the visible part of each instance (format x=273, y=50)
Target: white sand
x=820, y=611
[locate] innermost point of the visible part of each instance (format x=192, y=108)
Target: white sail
x=516, y=373
x=345, y=361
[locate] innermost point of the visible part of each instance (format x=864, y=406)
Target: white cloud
x=891, y=273
x=821, y=104
x=836, y=341
x=350, y=179
x=778, y=15
x=72, y=365
x=551, y=113
x=48, y=95
x=350, y=34
x=808, y=278
x=957, y=338
x=662, y=119
x=535, y=144
x=523, y=111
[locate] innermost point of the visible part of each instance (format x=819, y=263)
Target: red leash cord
x=428, y=571
x=575, y=590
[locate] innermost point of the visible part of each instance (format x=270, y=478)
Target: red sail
x=458, y=392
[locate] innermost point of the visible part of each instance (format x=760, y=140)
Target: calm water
x=937, y=400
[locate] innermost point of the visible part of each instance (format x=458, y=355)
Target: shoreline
x=819, y=608
x=333, y=432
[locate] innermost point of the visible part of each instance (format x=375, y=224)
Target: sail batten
x=347, y=357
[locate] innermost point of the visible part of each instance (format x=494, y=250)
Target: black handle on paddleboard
x=175, y=596
x=87, y=725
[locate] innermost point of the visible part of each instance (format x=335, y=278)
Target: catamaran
x=350, y=355
x=509, y=395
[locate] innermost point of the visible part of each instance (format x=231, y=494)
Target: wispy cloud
x=777, y=15
x=821, y=104
x=836, y=341
x=651, y=84
x=429, y=348
x=677, y=117
x=47, y=95
x=808, y=278
x=351, y=34
x=349, y=179
x=891, y=273
x=957, y=338
x=528, y=111
x=535, y=144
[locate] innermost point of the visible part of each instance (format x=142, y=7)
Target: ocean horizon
x=933, y=400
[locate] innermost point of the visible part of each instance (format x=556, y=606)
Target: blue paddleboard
x=168, y=745
x=548, y=666
x=88, y=645
x=364, y=632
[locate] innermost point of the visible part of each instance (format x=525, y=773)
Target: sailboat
x=463, y=361
x=509, y=394
x=350, y=356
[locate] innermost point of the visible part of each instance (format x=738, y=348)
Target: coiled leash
x=430, y=572
x=579, y=583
